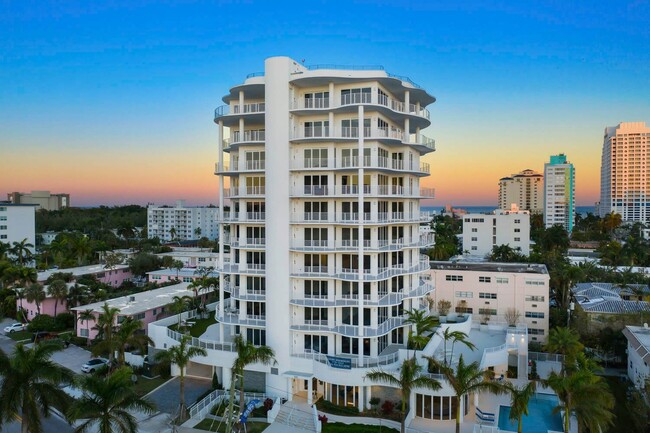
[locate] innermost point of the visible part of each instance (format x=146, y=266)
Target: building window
x=534, y=315
x=535, y=331
x=454, y=277
x=474, y=239
x=535, y=283
x=484, y=295
x=3, y=236
x=478, y=220
x=517, y=221
x=501, y=280
x=83, y=332
x=517, y=239
x=139, y=316
x=461, y=294
x=187, y=279
x=474, y=248
x=517, y=230
x=484, y=279
x=531, y=298
x=474, y=230
x=487, y=311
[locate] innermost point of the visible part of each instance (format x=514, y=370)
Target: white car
x=15, y=327
x=94, y=364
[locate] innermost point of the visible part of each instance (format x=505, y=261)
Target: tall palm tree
x=410, y=377
x=58, y=290
x=424, y=326
x=466, y=379
x=31, y=385
x=106, y=327
x=566, y=342
x=454, y=337
x=181, y=354
x=87, y=316
x=127, y=336
x=35, y=293
x=248, y=353
x=22, y=250
x=81, y=248
x=519, y=398
x=172, y=233
x=179, y=305
x=107, y=403
x=178, y=265
x=76, y=296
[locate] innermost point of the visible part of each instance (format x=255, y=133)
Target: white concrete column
x=310, y=391
x=227, y=377
x=332, y=100
x=221, y=226
x=361, y=401
x=418, y=138
x=241, y=101
x=360, y=200
x=289, y=388
x=407, y=100
x=368, y=395
x=407, y=131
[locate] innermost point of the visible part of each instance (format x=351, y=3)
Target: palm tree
x=58, y=290
x=172, y=233
x=410, y=377
x=248, y=353
x=178, y=265
x=519, y=398
x=466, y=379
x=31, y=385
x=35, y=293
x=106, y=326
x=197, y=232
x=454, y=337
x=127, y=336
x=87, y=316
x=22, y=250
x=181, y=355
x=81, y=248
x=424, y=326
x=179, y=305
x=107, y=402
x=76, y=296
x=566, y=342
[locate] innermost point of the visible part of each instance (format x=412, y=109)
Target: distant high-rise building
x=559, y=192
x=625, y=172
x=43, y=199
x=523, y=189
x=181, y=223
x=17, y=223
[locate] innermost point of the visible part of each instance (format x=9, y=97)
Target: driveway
x=71, y=358
x=166, y=397
x=6, y=344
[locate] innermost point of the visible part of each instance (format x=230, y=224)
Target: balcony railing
x=368, y=362
x=252, y=136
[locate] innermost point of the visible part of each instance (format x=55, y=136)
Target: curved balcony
x=232, y=316
x=368, y=362
x=248, y=243
x=236, y=167
x=382, y=164
x=242, y=268
x=348, y=274
x=371, y=191
x=244, y=217
x=349, y=330
x=248, y=137
x=353, y=218
x=242, y=294
x=245, y=192
x=352, y=245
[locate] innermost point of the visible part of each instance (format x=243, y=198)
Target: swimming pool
x=540, y=417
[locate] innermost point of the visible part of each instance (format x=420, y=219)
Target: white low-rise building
x=17, y=223
x=489, y=290
x=482, y=232
x=638, y=354
x=182, y=222
x=193, y=257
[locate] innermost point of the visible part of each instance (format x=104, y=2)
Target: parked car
x=94, y=364
x=14, y=327
x=43, y=335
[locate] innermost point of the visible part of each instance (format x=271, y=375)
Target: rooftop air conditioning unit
x=131, y=298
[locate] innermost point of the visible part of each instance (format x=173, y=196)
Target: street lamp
x=572, y=307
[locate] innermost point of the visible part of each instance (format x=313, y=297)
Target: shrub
x=268, y=404
x=388, y=407
x=374, y=402
x=443, y=307
x=79, y=341
x=64, y=321
x=42, y=322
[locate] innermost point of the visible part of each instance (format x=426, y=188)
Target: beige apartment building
x=488, y=290
x=525, y=189
x=43, y=199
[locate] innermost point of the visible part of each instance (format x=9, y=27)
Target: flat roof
x=189, y=254
x=185, y=272
x=141, y=302
x=78, y=271
x=520, y=268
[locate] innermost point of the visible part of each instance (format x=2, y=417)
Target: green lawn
x=145, y=385
x=218, y=426
x=337, y=427
x=199, y=327
x=622, y=422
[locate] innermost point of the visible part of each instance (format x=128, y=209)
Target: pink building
x=47, y=306
x=113, y=277
x=146, y=306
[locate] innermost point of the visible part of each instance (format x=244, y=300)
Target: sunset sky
x=112, y=102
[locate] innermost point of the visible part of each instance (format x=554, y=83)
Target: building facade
x=559, y=192
x=488, y=290
x=17, y=223
x=181, y=222
x=43, y=199
x=638, y=354
x=482, y=232
x=525, y=189
x=325, y=237
x=625, y=172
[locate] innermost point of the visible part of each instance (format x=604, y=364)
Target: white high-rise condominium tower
x=559, y=192
x=321, y=167
x=625, y=173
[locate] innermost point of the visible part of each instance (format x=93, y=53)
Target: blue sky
x=112, y=101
